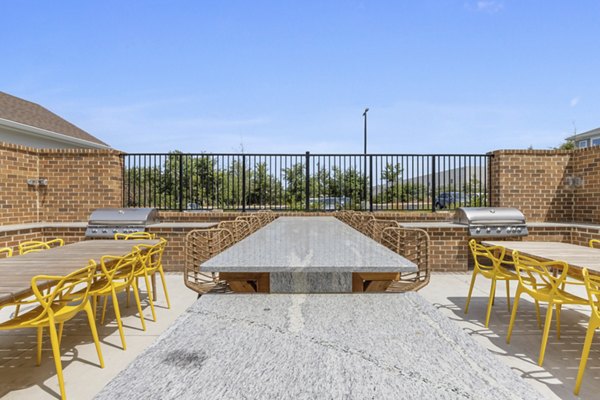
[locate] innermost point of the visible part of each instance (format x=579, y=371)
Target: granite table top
x=318, y=346
x=576, y=256
x=308, y=244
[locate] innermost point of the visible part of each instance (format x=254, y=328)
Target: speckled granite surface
x=318, y=346
x=310, y=282
x=302, y=244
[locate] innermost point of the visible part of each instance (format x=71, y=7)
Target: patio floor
x=20, y=379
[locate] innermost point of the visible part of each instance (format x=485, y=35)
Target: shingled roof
x=25, y=112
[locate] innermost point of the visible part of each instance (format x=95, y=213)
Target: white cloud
x=574, y=101
x=489, y=6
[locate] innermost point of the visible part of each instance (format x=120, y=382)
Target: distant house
x=29, y=124
x=586, y=139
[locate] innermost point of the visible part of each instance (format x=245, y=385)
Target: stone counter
x=356, y=346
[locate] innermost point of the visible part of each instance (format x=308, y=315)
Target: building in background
x=29, y=124
x=586, y=139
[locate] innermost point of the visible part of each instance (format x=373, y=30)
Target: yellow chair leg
x=490, y=302
x=470, y=290
x=92, y=322
x=57, y=361
x=61, y=325
x=538, y=314
x=95, y=305
x=513, y=314
x=164, y=283
x=149, y=290
x=508, y=294
x=118, y=317
x=589, y=337
x=40, y=335
x=127, y=298
x=104, y=302
x=17, y=309
x=558, y=306
x=136, y=294
x=545, y=334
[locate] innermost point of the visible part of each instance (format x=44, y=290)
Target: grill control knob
x=103, y=230
x=115, y=231
x=488, y=230
x=519, y=230
x=94, y=230
x=477, y=230
x=498, y=229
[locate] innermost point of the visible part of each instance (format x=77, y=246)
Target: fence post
x=180, y=182
x=371, y=183
x=243, y=183
x=307, y=182
x=433, y=184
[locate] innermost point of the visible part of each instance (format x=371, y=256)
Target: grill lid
x=123, y=216
x=488, y=216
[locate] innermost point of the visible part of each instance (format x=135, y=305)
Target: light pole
x=365, y=115
x=365, y=157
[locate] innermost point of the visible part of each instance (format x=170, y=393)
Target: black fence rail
x=320, y=182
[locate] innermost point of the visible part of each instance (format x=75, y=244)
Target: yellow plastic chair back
x=592, y=286
x=595, y=243
x=537, y=277
x=37, y=245
x=66, y=292
x=152, y=257
x=116, y=268
x=134, y=236
x=6, y=252
x=493, y=254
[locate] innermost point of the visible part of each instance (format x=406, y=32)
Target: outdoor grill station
x=105, y=222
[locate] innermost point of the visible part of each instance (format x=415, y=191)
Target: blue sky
x=438, y=76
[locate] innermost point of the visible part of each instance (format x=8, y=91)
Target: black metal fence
x=320, y=182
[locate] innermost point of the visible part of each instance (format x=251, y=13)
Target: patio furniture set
x=49, y=283
x=312, y=313
x=547, y=272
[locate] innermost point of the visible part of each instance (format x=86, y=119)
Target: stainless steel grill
x=492, y=221
x=105, y=222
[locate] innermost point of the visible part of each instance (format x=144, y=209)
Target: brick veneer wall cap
x=531, y=152
x=17, y=148
x=32, y=150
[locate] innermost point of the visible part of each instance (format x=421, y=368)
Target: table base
x=313, y=282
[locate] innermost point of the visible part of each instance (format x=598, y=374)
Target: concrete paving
x=556, y=379
x=21, y=379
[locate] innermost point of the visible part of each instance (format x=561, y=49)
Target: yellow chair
x=134, y=236
x=536, y=278
x=495, y=271
x=151, y=257
x=6, y=252
x=36, y=245
x=595, y=243
x=592, y=285
x=64, y=300
x=116, y=275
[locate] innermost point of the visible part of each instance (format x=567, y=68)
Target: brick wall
x=548, y=185
x=586, y=168
x=18, y=201
x=534, y=182
x=79, y=180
